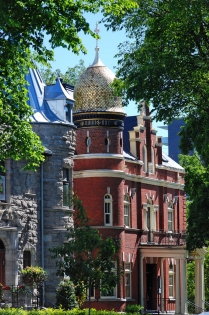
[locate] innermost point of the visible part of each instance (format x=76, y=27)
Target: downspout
x=47, y=152
x=42, y=227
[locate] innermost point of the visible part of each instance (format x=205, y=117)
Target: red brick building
x=131, y=190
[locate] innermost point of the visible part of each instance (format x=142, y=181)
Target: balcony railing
x=161, y=237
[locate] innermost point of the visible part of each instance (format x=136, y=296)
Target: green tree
x=191, y=280
x=70, y=76
x=65, y=295
x=166, y=63
x=191, y=285
x=23, y=25
x=87, y=258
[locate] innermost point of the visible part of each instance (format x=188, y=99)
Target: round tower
x=98, y=163
x=98, y=113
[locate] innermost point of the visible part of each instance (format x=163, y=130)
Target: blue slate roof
x=48, y=101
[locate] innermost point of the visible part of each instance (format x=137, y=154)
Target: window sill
x=115, y=299
x=109, y=298
x=172, y=299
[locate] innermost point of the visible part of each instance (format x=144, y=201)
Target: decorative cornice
x=146, y=117
x=169, y=168
x=99, y=119
x=126, y=176
x=98, y=156
x=134, y=161
x=154, y=131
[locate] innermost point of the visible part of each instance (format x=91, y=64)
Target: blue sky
x=108, y=45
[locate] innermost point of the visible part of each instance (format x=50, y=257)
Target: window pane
x=171, y=285
x=128, y=284
x=107, y=219
x=26, y=258
x=128, y=292
x=66, y=194
x=128, y=279
x=126, y=221
x=107, y=208
x=148, y=218
x=170, y=291
x=170, y=221
x=126, y=213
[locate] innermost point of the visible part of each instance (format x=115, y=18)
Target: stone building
x=34, y=206
x=131, y=190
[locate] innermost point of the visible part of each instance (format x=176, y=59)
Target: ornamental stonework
x=70, y=139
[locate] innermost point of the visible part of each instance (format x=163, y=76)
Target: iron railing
x=193, y=308
x=162, y=237
x=27, y=297
x=159, y=305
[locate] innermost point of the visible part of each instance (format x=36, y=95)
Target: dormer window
x=68, y=112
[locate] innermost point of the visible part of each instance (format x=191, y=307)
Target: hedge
x=51, y=311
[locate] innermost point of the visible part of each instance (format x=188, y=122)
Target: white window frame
x=114, y=290
x=128, y=273
x=127, y=207
x=171, y=286
x=107, y=209
x=92, y=297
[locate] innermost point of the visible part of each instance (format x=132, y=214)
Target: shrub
x=34, y=274
x=80, y=292
x=133, y=308
x=65, y=295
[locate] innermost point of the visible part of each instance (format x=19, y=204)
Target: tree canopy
x=166, y=63
x=23, y=25
x=70, y=76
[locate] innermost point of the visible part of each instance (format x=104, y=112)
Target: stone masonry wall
x=27, y=200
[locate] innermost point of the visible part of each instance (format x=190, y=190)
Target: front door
x=151, y=286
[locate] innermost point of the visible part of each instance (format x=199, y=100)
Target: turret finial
x=97, y=61
x=97, y=32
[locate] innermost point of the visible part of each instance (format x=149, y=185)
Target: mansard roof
x=48, y=101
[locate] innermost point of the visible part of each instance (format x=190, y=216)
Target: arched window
x=126, y=210
x=108, y=209
x=144, y=158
